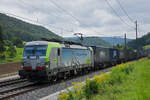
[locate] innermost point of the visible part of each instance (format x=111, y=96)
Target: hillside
x=13, y=27
x=141, y=42
x=90, y=41
x=114, y=41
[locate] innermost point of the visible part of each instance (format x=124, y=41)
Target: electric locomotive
x=43, y=60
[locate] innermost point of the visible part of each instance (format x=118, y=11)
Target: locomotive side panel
x=76, y=57
x=66, y=57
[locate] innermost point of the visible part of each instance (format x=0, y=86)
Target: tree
x=119, y=46
x=17, y=42
x=12, y=51
x=8, y=43
x=1, y=41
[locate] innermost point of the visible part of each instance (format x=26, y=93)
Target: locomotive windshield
x=36, y=50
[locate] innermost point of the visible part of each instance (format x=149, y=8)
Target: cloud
x=92, y=17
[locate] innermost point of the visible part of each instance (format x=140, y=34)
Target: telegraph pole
x=136, y=31
x=136, y=37
x=125, y=40
x=125, y=43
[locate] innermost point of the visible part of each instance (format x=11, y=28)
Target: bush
x=17, y=42
x=2, y=56
x=63, y=96
x=101, y=80
x=90, y=88
x=118, y=74
x=8, y=43
x=11, y=52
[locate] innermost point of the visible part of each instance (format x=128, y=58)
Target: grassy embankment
x=17, y=58
x=146, y=47
x=129, y=81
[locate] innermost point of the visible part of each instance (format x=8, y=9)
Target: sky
x=89, y=17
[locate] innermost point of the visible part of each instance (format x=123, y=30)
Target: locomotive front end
x=34, y=64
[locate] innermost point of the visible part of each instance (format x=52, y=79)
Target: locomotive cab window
x=35, y=50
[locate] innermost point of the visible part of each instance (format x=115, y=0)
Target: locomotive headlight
x=46, y=66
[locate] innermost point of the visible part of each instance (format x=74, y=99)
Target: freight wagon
x=104, y=57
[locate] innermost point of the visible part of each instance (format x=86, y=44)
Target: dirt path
x=9, y=68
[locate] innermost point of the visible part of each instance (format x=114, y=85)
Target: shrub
x=101, y=80
x=17, y=42
x=63, y=96
x=2, y=56
x=90, y=88
x=11, y=51
x=78, y=93
x=118, y=74
x=8, y=43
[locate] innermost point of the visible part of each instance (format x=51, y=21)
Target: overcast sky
x=90, y=17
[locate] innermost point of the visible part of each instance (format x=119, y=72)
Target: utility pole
x=125, y=43
x=136, y=30
x=136, y=37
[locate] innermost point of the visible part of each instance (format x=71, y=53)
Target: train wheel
x=54, y=78
x=65, y=76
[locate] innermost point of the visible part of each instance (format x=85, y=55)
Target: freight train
x=50, y=61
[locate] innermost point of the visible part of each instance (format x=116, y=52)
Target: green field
x=17, y=58
x=130, y=81
x=146, y=47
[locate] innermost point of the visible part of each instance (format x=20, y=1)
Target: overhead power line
x=124, y=11
x=117, y=14
x=68, y=13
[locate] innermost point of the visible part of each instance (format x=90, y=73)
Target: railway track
x=14, y=91
x=10, y=82
x=12, y=88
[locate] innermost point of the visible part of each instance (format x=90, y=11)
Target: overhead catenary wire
x=57, y=6
x=68, y=13
x=124, y=11
x=118, y=14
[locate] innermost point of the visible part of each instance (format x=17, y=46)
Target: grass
x=129, y=81
x=146, y=47
x=17, y=58
x=134, y=86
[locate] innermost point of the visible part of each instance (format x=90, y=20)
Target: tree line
x=8, y=47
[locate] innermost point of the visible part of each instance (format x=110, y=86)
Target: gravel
x=40, y=93
x=13, y=77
